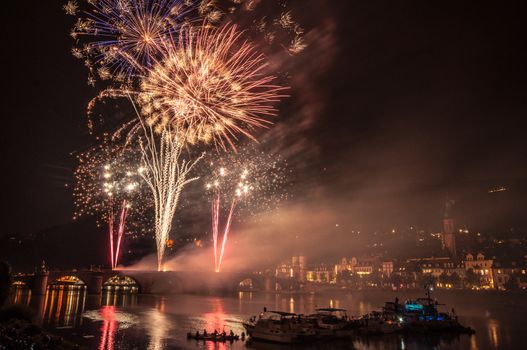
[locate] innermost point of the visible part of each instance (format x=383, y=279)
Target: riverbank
x=18, y=332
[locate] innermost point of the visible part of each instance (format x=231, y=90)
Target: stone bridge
x=157, y=282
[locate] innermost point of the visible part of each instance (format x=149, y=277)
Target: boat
x=332, y=323
x=280, y=327
x=419, y=315
x=379, y=322
x=422, y=315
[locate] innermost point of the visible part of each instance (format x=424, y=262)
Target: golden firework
x=211, y=86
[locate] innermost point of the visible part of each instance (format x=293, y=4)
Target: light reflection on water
x=121, y=320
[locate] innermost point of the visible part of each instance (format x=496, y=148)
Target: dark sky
x=417, y=100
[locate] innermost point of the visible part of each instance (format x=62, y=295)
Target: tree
x=512, y=282
x=343, y=276
x=455, y=280
x=5, y=282
x=396, y=280
x=472, y=279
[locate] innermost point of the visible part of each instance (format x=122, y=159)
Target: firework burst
x=211, y=86
x=115, y=37
x=107, y=185
x=273, y=21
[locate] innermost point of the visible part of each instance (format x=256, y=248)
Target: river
x=122, y=320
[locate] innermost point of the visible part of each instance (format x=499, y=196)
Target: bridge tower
x=95, y=284
x=40, y=281
x=449, y=234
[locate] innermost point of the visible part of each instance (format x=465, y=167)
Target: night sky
x=394, y=106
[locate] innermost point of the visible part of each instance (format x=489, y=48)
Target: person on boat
x=243, y=335
x=197, y=334
x=231, y=334
x=265, y=309
x=204, y=332
x=215, y=332
x=396, y=300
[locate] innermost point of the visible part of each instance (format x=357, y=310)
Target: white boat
x=280, y=327
x=332, y=322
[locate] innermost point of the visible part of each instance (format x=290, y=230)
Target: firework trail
x=226, y=233
x=215, y=223
x=252, y=178
x=166, y=174
x=242, y=188
x=106, y=183
x=210, y=85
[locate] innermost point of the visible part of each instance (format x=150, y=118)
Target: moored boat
x=280, y=327
x=332, y=323
x=419, y=315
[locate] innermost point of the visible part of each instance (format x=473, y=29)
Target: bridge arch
x=68, y=280
x=246, y=284
x=121, y=282
x=20, y=284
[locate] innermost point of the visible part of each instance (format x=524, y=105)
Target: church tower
x=449, y=235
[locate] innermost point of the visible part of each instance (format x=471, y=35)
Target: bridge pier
x=40, y=283
x=269, y=284
x=95, y=283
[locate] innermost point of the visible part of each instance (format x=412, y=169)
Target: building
x=362, y=266
x=387, y=268
x=434, y=266
x=295, y=269
x=320, y=274
x=298, y=265
x=482, y=267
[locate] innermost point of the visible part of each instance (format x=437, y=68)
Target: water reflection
x=113, y=320
x=494, y=332
x=63, y=305
x=20, y=294
x=158, y=328
x=119, y=298
x=109, y=328
x=216, y=318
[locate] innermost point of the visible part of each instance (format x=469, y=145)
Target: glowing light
x=209, y=86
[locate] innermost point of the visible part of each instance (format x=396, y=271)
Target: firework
x=106, y=185
x=235, y=196
x=211, y=86
x=274, y=21
x=166, y=172
x=115, y=37
x=249, y=177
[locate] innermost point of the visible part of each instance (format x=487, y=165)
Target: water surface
x=122, y=320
